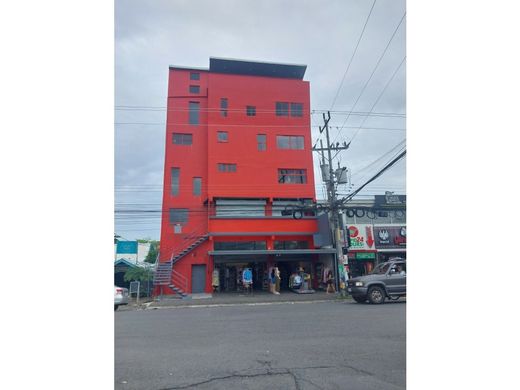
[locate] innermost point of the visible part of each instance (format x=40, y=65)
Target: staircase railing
x=189, y=239
x=180, y=280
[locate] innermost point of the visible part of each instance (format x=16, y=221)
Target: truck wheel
x=359, y=299
x=376, y=295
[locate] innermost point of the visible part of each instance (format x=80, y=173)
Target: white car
x=120, y=296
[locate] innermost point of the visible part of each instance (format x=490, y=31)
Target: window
x=194, y=89
x=282, y=109
x=240, y=207
x=261, y=141
x=182, y=139
x=178, y=215
x=239, y=245
x=175, y=172
x=289, y=142
x=292, y=176
x=227, y=167
x=197, y=185
x=222, y=136
x=194, y=113
x=223, y=106
x=289, y=244
x=251, y=110
x=296, y=109
x=194, y=76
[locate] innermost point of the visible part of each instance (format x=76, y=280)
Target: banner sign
x=390, y=200
x=365, y=256
x=361, y=237
x=128, y=247
x=390, y=237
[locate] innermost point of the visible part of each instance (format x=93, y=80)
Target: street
x=316, y=345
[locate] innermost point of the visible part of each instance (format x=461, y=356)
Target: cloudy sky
x=369, y=77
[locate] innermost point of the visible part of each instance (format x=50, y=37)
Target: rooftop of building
x=251, y=68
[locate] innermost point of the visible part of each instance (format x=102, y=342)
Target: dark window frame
x=293, y=142
x=224, y=105
x=195, y=89
x=194, y=75
x=175, y=181
x=197, y=185
x=282, y=108
x=194, y=114
x=183, y=138
x=292, y=176
x=261, y=145
x=178, y=216
x=224, y=133
x=296, y=109
x=226, y=167
x=251, y=110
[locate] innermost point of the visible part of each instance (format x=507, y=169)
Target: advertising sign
x=127, y=247
x=390, y=237
x=361, y=237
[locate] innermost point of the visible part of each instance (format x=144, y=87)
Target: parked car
x=120, y=296
x=387, y=280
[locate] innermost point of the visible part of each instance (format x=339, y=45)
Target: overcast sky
x=151, y=35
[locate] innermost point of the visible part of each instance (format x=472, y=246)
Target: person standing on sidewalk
x=272, y=281
x=277, y=280
x=330, y=283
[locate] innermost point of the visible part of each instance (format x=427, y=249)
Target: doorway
x=198, y=278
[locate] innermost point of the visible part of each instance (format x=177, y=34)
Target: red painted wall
x=257, y=171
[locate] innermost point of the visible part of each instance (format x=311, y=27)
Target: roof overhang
x=256, y=68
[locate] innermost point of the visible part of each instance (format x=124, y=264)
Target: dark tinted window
x=222, y=136
x=296, y=109
x=223, y=106
x=251, y=110
x=194, y=76
x=175, y=181
x=194, y=113
x=282, y=109
x=182, y=139
x=289, y=142
x=292, y=176
x=240, y=245
x=227, y=167
x=178, y=215
x=194, y=89
x=197, y=185
x=261, y=140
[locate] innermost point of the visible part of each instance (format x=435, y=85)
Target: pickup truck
x=387, y=280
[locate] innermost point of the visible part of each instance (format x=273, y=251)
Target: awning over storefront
x=262, y=255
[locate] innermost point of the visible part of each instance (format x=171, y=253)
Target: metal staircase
x=166, y=275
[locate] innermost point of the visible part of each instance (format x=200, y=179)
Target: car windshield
x=381, y=269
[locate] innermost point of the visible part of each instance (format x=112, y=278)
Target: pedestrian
x=215, y=280
x=272, y=281
x=277, y=280
x=330, y=283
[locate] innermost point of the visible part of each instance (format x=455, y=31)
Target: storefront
x=230, y=266
x=390, y=241
x=361, y=251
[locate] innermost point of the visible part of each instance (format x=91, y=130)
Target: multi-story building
x=238, y=151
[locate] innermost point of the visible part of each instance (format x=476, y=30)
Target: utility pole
x=328, y=177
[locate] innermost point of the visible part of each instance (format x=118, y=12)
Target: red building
x=238, y=154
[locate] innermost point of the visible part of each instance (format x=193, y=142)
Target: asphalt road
x=317, y=345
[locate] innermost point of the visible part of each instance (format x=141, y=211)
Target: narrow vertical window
x=197, y=186
x=194, y=113
x=223, y=107
x=261, y=140
x=175, y=173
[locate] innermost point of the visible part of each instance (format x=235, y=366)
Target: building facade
x=238, y=154
x=377, y=231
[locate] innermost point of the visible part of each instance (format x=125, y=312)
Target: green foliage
x=152, y=254
x=138, y=274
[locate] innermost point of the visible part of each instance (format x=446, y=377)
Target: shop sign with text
x=361, y=237
x=390, y=237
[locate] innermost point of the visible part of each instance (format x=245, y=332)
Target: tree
x=138, y=274
x=152, y=253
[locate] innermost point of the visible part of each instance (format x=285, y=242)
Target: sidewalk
x=223, y=299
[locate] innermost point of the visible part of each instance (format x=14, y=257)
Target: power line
x=375, y=68
x=353, y=54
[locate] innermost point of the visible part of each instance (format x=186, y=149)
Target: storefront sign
x=361, y=237
x=390, y=200
x=365, y=256
x=390, y=237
